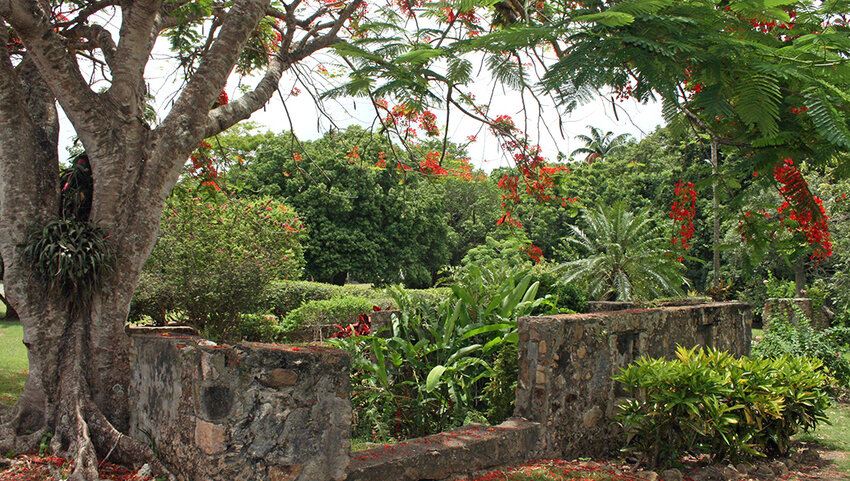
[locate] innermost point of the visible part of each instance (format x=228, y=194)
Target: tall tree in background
x=369, y=220
x=598, y=146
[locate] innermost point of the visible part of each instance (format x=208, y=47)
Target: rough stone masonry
x=252, y=411
x=566, y=363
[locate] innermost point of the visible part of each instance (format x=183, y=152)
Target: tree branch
x=57, y=66
x=189, y=114
x=228, y=115
x=99, y=37
x=135, y=43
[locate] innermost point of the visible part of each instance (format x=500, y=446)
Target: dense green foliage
x=624, y=257
x=783, y=338
x=708, y=402
x=214, y=259
x=431, y=370
x=368, y=220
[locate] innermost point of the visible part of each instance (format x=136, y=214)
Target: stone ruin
x=566, y=363
x=282, y=413
x=784, y=308
x=246, y=412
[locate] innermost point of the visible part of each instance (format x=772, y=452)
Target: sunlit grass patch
x=13, y=362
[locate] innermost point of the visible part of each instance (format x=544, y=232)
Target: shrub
x=500, y=393
x=708, y=402
x=342, y=310
x=281, y=297
x=284, y=296
x=256, y=328
x=214, y=259
x=782, y=338
x=568, y=298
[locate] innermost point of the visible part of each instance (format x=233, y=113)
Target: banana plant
x=437, y=357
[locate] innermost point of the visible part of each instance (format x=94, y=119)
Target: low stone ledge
x=167, y=330
x=463, y=450
x=611, y=306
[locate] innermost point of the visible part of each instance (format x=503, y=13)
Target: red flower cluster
x=403, y=117
x=684, y=210
x=534, y=253
x=353, y=156
x=431, y=165
x=428, y=122
x=363, y=326
x=223, y=99
x=203, y=166
x=508, y=218
x=805, y=209
x=537, y=175
x=468, y=16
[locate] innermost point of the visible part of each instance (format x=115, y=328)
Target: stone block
x=259, y=411
x=461, y=451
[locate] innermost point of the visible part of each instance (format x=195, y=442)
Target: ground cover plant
x=707, y=402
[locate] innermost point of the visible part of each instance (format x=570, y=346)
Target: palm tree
x=598, y=145
x=626, y=257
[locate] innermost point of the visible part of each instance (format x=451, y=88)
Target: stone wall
x=252, y=411
x=566, y=363
x=782, y=307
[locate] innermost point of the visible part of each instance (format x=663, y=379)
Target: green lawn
x=13, y=361
x=835, y=436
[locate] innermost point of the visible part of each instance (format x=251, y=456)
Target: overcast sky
x=310, y=121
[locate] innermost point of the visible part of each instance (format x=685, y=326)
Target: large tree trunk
x=79, y=367
x=76, y=390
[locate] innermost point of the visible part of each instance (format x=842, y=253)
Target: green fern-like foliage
x=625, y=257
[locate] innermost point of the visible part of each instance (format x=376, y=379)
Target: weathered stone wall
x=566, y=363
x=782, y=307
x=252, y=411
x=608, y=306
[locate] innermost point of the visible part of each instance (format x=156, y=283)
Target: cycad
x=625, y=257
x=598, y=145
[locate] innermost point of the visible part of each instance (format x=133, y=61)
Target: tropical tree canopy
x=598, y=145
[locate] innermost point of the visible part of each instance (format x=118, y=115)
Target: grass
x=13, y=361
x=834, y=436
